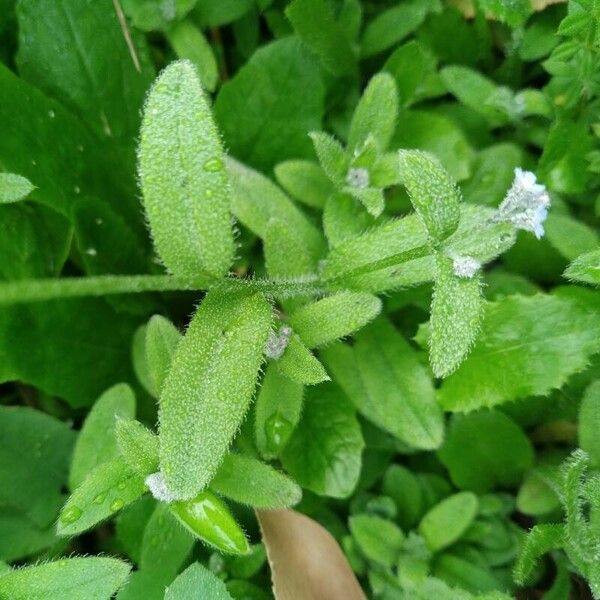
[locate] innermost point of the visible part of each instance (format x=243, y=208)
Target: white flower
x=358, y=178
x=158, y=487
x=465, y=266
x=277, y=342
x=526, y=203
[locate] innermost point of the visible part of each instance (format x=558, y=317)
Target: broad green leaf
x=197, y=582
x=106, y=490
x=534, y=349
x=402, y=485
x=256, y=201
x=589, y=422
x=34, y=462
x=277, y=411
x=456, y=313
x=249, y=481
x=463, y=574
x=212, y=13
x=432, y=191
x=162, y=338
x=383, y=377
x=332, y=156
x=391, y=26
x=286, y=255
x=344, y=218
x=447, y=521
x=96, y=441
x=189, y=43
x=70, y=54
x=165, y=544
x=207, y=517
x=570, y=237
x=440, y=136
x=484, y=450
x=89, y=578
x=130, y=524
x=20, y=537
x=379, y=540
x=300, y=364
x=333, y=317
x=305, y=181
x=585, y=268
x=201, y=404
x=539, y=492
x=87, y=353
x=375, y=114
x=315, y=25
x=324, y=452
x=14, y=188
x=263, y=118
x=137, y=445
x=183, y=177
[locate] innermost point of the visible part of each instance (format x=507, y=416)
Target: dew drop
x=70, y=515
x=213, y=164
x=209, y=193
x=51, y=114
x=91, y=251
x=277, y=431
x=80, y=147
x=99, y=221
x=122, y=484
x=99, y=499
x=117, y=504
x=76, y=189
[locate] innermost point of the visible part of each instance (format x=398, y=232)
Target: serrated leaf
x=249, y=481
x=432, y=191
x=300, y=364
x=534, y=350
x=333, y=317
x=456, y=313
x=277, y=411
x=484, y=450
x=183, y=178
x=14, y=188
x=541, y=539
x=375, y=114
x=195, y=580
x=90, y=578
x=382, y=376
x=324, y=452
x=446, y=522
x=202, y=405
x=585, y=268
x=316, y=26
x=162, y=338
x=305, y=181
x=138, y=446
x=106, y=490
x=96, y=442
x=379, y=539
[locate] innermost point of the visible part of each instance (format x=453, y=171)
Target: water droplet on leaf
x=70, y=515
x=117, y=504
x=213, y=164
x=277, y=432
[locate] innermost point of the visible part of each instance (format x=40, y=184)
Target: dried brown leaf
x=306, y=561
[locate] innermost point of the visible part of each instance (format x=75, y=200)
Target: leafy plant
x=363, y=289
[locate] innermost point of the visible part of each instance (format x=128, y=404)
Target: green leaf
x=585, y=268
x=263, y=117
x=212, y=13
x=379, y=540
x=96, y=441
x=202, y=405
x=165, y=544
x=249, y=481
x=286, y=255
x=375, y=114
x=162, y=338
x=277, y=411
x=183, y=178
x=305, y=181
x=570, y=237
x=70, y=53
x=85, y=356
x=189, y=43
x=534, y=348
x=333, y=317
x=589, y=422
x=197, y=582
x=208, y=518
x=315, y=25
x=456, y=313
x=90, y=578
x=324, y=452
x=137, y=445
x=300, y=365
x=332, y=156
x=386, y=382
x=402, y=485
x=541, y=539
x=447, y=521
x=14, y=188
x=106, y=490
x=432, y=191
x=484, y=450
